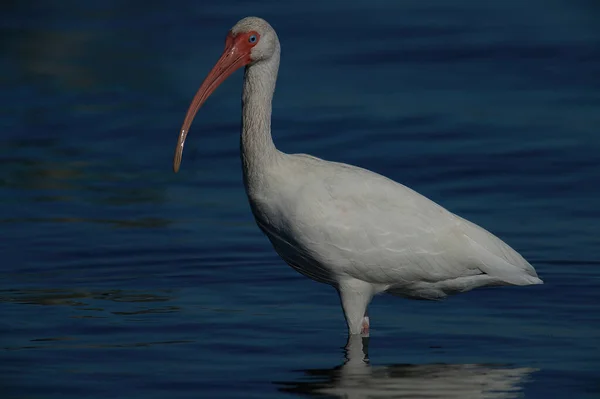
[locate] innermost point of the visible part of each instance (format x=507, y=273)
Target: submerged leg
x=355, y=296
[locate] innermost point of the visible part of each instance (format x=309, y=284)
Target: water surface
x=121, y=279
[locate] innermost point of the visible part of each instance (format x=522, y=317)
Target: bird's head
x=256, y=36
x=250, y=41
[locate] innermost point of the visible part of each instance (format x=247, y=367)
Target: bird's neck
x=257, y=148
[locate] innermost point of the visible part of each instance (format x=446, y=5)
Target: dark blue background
x=119, y=278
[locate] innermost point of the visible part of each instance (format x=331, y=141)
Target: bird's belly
x=298, y=257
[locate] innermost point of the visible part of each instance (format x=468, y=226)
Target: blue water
x=119, y=278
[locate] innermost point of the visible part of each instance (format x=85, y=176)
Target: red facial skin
x=237, y=54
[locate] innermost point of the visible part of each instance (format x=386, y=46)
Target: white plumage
x=343, y=225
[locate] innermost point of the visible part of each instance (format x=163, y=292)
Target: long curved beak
x=232, y=59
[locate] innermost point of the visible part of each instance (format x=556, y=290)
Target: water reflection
x=78, y=297
x=356, y=378
x=56, y=170
x=117, y=223
x=123, y=308
x=52, y=174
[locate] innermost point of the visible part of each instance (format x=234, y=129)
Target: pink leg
x=365, y=326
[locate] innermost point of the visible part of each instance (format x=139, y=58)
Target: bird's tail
x=496, y=266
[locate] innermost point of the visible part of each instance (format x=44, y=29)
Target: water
x=121, y=279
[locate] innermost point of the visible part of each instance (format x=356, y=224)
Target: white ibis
x=354, y=229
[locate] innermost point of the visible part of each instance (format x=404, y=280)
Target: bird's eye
x=252, y=39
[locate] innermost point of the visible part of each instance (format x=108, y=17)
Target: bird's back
x=334, y=221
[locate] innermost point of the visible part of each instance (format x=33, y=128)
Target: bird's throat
x=257, y=148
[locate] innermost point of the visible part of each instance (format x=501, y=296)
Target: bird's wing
x=374, y=229
x=495, y=257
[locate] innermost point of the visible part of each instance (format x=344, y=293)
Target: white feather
x=352, y=228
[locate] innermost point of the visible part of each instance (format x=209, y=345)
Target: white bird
x=354, y=229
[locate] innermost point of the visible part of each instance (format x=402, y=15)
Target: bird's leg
x=355, y=296
x=365, y=324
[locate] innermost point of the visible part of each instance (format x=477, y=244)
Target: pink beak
x=234, y=57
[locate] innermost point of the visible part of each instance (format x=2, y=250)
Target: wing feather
x=382, y=232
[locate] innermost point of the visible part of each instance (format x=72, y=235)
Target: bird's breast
x=276, y=216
